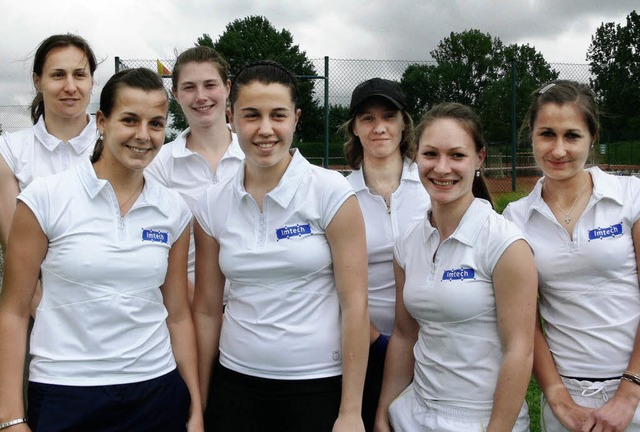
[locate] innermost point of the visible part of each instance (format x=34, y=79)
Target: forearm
x=208, y=337
x=511, y=388
x=183, y=343
x=398, y=372
x=13, y=336
x=355, y=349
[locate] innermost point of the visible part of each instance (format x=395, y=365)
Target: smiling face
x=65, y=83
x=447, y=161
x=134, y=132
x=202, y=93
x=561, y=140
x=379, y=128
x=264, y=117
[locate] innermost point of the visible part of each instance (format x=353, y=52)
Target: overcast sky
x=341, y=29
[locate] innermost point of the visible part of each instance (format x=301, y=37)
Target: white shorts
x=587, y=394
x=407, y=413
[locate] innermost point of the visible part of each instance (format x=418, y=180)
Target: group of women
x=222, y=282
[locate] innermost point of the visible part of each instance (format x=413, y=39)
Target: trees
x=614, y=60
x=475, y=69
x=255, y=38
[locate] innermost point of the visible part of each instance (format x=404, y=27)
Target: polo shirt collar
x=604, y=186
x=152, y=193
x=409, y=174
x=470, y=225
x=179, y=147
x=79, y=144
x=282, y=194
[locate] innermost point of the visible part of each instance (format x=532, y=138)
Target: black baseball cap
x=387, y=89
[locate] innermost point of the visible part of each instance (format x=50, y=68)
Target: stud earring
x=477, y=173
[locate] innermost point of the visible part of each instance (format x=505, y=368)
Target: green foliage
x=614, y=59
x=475, y=69
x=502, y=200
x=255, y=38
x=533, y=401
x=621, y=153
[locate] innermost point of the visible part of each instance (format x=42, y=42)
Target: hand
x=571, y=415
x=196, y=422
x=348, y=423
x=613, y=416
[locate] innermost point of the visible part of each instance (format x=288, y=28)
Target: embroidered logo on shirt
x=293, y=231
x=600, y=233
x=155, y=236
x=459, y=274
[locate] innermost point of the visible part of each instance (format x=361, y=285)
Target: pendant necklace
x=567, y=217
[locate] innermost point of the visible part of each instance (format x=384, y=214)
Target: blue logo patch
x=293, y=231
x=459, y=274
x=155, y=236
x=600, y=233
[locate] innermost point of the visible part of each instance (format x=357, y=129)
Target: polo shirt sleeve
x=336, y=191
x=202, y=211
x=37, y=197
x=634, y=198
x=184, y=214
x=502, y=234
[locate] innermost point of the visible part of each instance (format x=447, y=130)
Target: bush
x=500, y=201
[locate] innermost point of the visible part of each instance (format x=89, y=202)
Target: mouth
x=266, y=145
x=139, y=150
x=203, y=109
x=443, y=183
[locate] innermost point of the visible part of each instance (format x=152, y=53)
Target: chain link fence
x=506, y=171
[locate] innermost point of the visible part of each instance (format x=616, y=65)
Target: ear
x=230, y=117
x=298, y=112
x=174, y=92
x=36, y=82
x=228, y=86
x=481, y=156
x=100, y=121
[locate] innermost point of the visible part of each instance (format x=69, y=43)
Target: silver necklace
x=567, y=215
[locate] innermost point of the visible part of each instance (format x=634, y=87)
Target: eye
x=429, y=154
x=250, y=115
x=81, y=74
x=129, y=121
x=279, y=116
x=547, y=134
x=573, y=136
x=366, y=118
x=57, y=74
x=390, y=115
x=458, y=155
x=157, y=124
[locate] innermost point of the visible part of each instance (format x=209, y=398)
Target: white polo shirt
x=101, y=320
x=588, y=285
x=449, y=291
x=33, y=152
x=179, y=168
x=409, y=203
x=282, y=319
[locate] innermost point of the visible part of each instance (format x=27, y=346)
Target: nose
x=559, y=149
x=142, y=133
x=266, y=127
x=379, y=126
x=200, y=93
x=70, y=84
x=441, y=166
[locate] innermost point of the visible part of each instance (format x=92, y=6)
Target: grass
x=533, y=401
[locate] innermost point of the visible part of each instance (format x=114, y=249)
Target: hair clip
x=545, y=88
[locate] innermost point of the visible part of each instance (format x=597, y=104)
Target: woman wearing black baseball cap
x=380, y=149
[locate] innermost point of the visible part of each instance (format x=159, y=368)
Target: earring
x=477, y=173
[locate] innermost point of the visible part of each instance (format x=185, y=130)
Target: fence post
x=326, y=111
x=514, y=143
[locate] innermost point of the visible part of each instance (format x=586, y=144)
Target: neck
x=446, y=217
x=121, y=179
x=383, y=176
x=258, y=181
x=564, y=192
x=65, y=129
x=213, y=138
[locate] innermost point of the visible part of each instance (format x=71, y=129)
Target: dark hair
x=40, y=57
x=563, y=92
x=265, y=72
x=138, y=78
x=200, y=54
x=353, y=151
x=470, y=121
